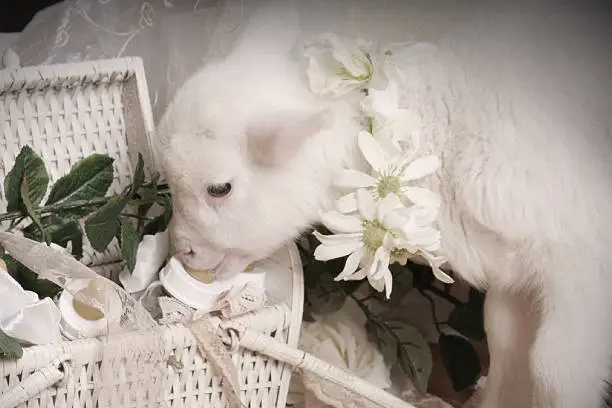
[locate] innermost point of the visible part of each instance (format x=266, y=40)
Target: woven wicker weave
x=67, y=112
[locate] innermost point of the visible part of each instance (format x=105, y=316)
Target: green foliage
x=403, y=344
x=460, y=361
x=323, y=294
x=160, y=222
x=403, y=283
x=468, y=318
x=129, y=245
x=81, y=193
x=30, y=166
x=62, y=231
x=103, y=225
x=28, y=205
x=87, y=179
x=398, y=342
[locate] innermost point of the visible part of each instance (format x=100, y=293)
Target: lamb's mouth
x=208, y=275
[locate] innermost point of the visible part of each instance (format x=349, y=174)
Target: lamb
x=523, y=131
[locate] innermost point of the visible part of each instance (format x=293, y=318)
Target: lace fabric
x=176, y=37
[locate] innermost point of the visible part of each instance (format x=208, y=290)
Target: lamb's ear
x=275, y=138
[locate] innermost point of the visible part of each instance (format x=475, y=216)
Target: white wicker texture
x=161, y=367
x=68, y=111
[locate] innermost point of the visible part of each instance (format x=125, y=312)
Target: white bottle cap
x=85, y=321
x=199, y=295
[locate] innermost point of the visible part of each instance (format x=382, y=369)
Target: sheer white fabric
x=175, y=37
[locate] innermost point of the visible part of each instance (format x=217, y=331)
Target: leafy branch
x=399, y=342
x=80, y=195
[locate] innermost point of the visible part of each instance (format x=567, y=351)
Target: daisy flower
x=367, y=237
x=335, y=68
x=393, y=126
x=421, y=240
x=390, y=175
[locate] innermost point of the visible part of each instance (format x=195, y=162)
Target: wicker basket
x=66, y=112
x=69, y=111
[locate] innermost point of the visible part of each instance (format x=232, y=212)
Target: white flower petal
x=366, y=204
x=371, y=150
x=353, y=58
x=419, y=216
x=347, y=204
x=351, y=265
x=354, y=179
x=422, y=196
x=388, y=279
x=382, y=263
x=421, y=167
x=325, y=253
x=383, y=102
x=423, y=237
x=359, y=275
x=394, y=220
x=338, y=222
x=337, y=239
x=372, y=270
x=387, y=204
x=441, y=275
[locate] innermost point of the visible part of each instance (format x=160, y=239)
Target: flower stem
x=135, y=216
x=442, y=294
x=432, y=305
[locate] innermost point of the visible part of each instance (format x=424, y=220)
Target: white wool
x=522, y=124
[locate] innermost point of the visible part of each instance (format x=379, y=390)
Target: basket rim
x=72, y=74
x=176, y=334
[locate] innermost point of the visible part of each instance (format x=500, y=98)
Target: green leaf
x=402, y=343
x=62, y=231
x=385, y=340
x=31, y=211
x=468, y=319
x=30, y=164
x=160, y=223
x=148, y=195
x=129, y=245
x=460, y=361
x=415, y=356
x=87, y=179
x=139, y=176
x=323, y=294
x=102, y=226
x=402, y=283
x=10, y=349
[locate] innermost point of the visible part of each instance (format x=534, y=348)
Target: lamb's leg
x=510, y=323
x=571, y=353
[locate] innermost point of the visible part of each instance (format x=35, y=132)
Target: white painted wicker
x=66, y=112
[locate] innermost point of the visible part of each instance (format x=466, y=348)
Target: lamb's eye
x=219, y=190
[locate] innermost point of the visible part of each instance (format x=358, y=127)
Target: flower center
x=388, y=182
x=373, y=234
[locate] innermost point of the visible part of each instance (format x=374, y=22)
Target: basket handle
x=267, y=345
x=33, y=385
